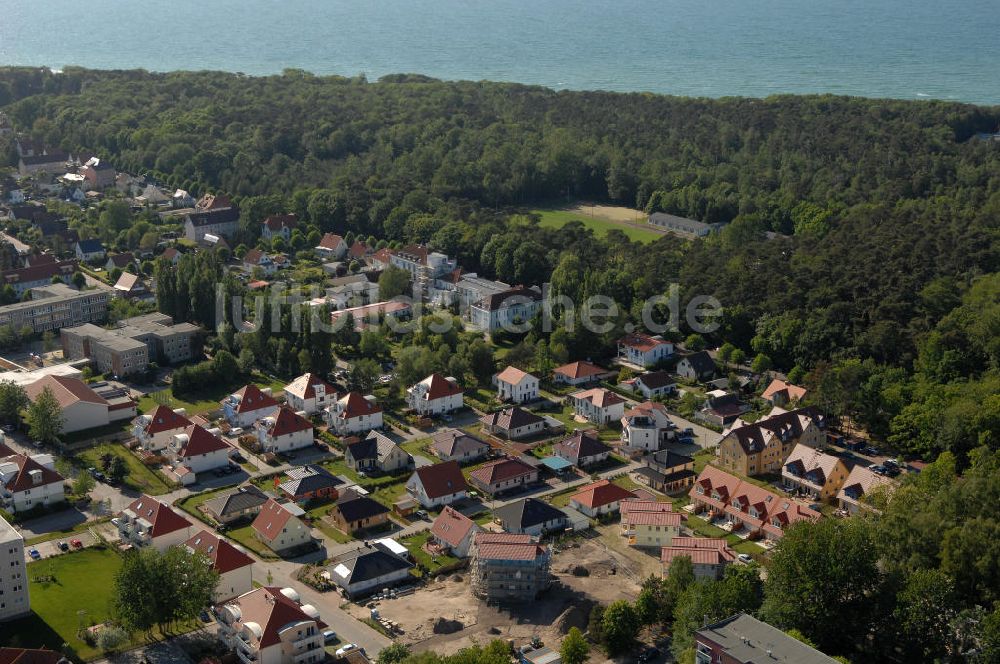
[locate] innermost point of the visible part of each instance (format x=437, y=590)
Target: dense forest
x=880, y=286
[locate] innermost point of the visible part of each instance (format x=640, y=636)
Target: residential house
x=530, y=516
x=120, y=261
x=808, y=471
x=98, y=174
x=709, y=556
x=667, y=471
x=744, y=506
x=278, y=528
x=216, y=217
x=354, y=511
x=278, y=225
x=284, y=431
x=513, y=423
x=690, y=228
x=781, y=394
x=578, y=373
x=271, y=626
x=131, y=286
x=243, y=503
x=452, y=531
x=510, y=310
x=643, y=350
x=516, y=385
x=502, y=476
x=51, y=163
x=722, y=408
x=82, y=407
x=696, y=366
x=435, y=395
x=368, y=568
x=351, y=292
x=310, y=482
x=742, y=639
x=508, y=567
x=654, y=384
x=155, y=430
x=231, y=563
x=14, y=585
x=372, y=315
x=247, y=405
x=309, y=394
x=148, y=522
x=438, y=484
x=199, y=450
x=762, y=447
x=598, y=405
x=28, y=482
x=647, y=427
x=354, y=413
x=39, y=275
x=582, y=449
x=331, y=247
x=90, y=251
x=601, y=497
x=256, y=259
x=861, y=483
x=649, y=524
x=456, y=445
x=376, y=453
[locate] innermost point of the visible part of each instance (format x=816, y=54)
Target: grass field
x=79, y=593
x=204, y=401
x=555, y=218
x=139, y=477
x=415, y=544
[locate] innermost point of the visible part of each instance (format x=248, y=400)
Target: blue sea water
x=908, y=49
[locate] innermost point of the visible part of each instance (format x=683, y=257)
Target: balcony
x=246, y=657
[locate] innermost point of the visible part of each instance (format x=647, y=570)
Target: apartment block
x=130, y=347
x=56, y=306
x=14, y=601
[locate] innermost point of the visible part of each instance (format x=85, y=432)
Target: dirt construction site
x=444, y=617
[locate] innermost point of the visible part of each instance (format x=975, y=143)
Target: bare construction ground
x=444, y=617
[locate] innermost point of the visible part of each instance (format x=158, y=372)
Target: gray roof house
x=245, y=502
x=368, y=568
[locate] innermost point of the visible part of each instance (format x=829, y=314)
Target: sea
x=905, y=49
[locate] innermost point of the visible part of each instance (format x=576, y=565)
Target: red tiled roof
x=276, y=222
x=654, y=518
x=575, y=370
x=701, y=550
x=738, y=496
x=165, y=419
x=500, y=470
x=789, y=390
x=22, y=481
x=506, y=546
x=252, y=398
x=286, y=421
x=600, y=494
x=29, y=656
x=645, y=408
x=331, y=241
x=452, y=526
x=439, y=387
x=358, y=250
x=200, y=441
x=66, y=389
x=224, y=556
x=273, y=611
x=442, y=479
x=641, y=342
x=355, y=405
x=163, y=519
x=272, y=518
x=599, y=397
x=512, y=375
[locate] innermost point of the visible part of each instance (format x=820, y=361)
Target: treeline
x=887, y=211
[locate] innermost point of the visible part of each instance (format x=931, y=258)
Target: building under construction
x=508, y=568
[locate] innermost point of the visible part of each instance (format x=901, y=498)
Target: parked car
x=329, y=636
x=872, y=451
x=76, y=544
x=346, y=648
x=422, y=514
x=34, y=554
x=745, y=558
x=63, y=546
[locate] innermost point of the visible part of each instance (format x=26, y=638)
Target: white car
x=329, y=636
x=346, y=648
x=745, y=558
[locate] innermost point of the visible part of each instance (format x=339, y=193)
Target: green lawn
x=415, y=545
x=79, y=593
x=139, y=477
x=203, y=401
x=561, y=499
x=418, y=446
x=66, y=533
x=704, y=529
x=559, y=218
x=246, y=538
x=96, y=432
x=191, y=503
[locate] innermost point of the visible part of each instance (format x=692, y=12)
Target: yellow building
x=762, y=447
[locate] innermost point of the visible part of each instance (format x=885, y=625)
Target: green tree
x=620, y=625
x=695, y=342
x=79, y=280
x=394, y=653
x=393, y=281
x=158, y=589
x=44, y=417
x=364, y=375
x=83, y=484
x=574, y=648
x=738, y=356
x=760, y=364
x=725, y=352
x=13, y=399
